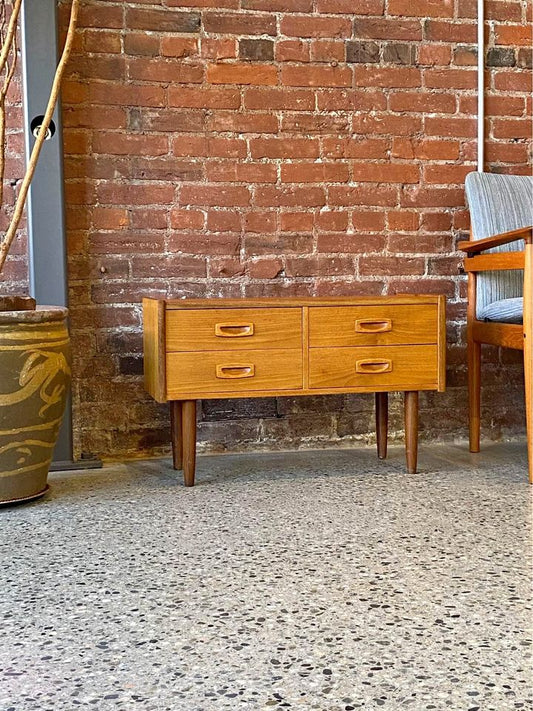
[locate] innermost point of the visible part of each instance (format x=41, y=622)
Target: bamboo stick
x=32, y=163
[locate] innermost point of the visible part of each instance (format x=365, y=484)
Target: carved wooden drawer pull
x=235, y=371
x=369, y=325
x=373, y=366
x=230, y=330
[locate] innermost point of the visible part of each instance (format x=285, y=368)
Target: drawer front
x=233, y=329
x=228, y=371
x=372, y=325
x=390, y=367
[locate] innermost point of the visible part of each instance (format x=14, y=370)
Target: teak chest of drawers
x=227, y=348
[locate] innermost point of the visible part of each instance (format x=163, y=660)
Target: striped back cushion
x=499, y=203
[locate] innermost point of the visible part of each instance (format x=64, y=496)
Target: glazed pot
x=34, y=384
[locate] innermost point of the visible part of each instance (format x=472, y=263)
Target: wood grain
x=412, y=368
x=154, y=348
x=196, y=330
x=274, y=370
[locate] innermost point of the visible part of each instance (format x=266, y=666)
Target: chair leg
x=474, y=393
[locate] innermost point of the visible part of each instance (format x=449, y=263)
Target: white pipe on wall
x=480, y=85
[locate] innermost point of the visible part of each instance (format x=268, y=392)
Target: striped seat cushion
x=504, y=311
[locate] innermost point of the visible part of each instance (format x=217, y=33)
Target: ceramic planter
x=34, y=383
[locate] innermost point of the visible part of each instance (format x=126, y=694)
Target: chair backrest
x=499, y=203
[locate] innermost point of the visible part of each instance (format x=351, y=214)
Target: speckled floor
x=314, y=580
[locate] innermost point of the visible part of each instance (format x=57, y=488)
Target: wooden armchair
x=500, y=288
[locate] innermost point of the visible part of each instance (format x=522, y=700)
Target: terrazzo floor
x=314, y=580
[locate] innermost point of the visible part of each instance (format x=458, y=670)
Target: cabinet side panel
x=154, y=348
x=441, y=385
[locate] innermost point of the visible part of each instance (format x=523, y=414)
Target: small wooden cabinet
x=227, y=348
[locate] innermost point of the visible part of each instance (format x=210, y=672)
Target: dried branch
x=3, y=93
x=11, y=32
x=41, y=136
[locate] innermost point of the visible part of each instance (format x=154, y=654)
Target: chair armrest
x=475, y=246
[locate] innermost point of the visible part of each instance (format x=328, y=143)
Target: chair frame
x=518, y=336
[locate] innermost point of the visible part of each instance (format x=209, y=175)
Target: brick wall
x=278, y=147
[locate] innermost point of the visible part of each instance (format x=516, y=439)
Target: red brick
x=215, y=195
x=512, y=80
x=443, y=31
x=289, y=196
x=403, y=221
x=331, y=220
x=179, y=46
x=355, y=147
x=422, y=102
x=316, y=76
x=117, y=143
x=421, y=8
x=327, y=50
x=223, y=221
x=447, y=174
x=141, y=44
x=436, y=149
x=165, y=70
x=241, y=172
x=368, y=220
x=388, y=77
x=388, y=29
x=385, y=173
x=350, y=100
x=187, y=219
x=265, y=268
x=278, y=5
x=242, y=74
x=315, y=26
x=209, y=98
x=264, y=222
x=350, y=243
x=381, y=266
x=386, y=124
x=434, y=54
x=363, y=195
x=274, y=99
x=514, y=35
x=448, y=127
x=284, y=148
x=292, y=51
x=346, y=7
x=232, y=122
x=324, y=123
x=296, y=221
x=224, y=268
x=218, y=48
x=512, y=128
x=450, y=78
x=315, y=173
x=318, y=266
x=240, y=23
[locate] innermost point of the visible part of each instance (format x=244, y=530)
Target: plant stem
x=32, y=163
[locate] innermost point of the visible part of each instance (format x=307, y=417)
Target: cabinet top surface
x=267, y=302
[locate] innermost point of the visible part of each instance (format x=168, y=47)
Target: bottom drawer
x=394, y=367
x=227, y=371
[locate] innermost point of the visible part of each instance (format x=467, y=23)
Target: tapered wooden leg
x=176, y=433
x=382, y=423
x=474, y=393
x=528, y=352
x=188, y=415
x=411, y=429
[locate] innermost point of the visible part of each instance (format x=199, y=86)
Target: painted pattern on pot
x=34, y=383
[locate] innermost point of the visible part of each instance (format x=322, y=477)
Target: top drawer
x=233, y=329
x=372, y=325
